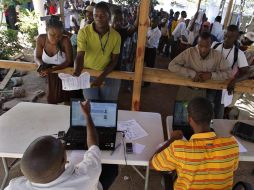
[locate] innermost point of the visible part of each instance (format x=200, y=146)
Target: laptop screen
x=180, y=117
x=103, y=114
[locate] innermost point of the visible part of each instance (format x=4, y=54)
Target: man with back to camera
x=205, y=161
x=44, y=163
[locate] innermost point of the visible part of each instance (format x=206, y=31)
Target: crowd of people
x=105, y=40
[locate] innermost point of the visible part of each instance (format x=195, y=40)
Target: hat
x=89, y=8
x=250, y=36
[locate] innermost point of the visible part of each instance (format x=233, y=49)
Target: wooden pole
x=61, y=5
x=199, y=3
x=140, y=52
x=228, y=13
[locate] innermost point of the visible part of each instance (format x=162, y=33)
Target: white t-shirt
x=83, y=176
x=153, y=37
x=67, y=19
x=179, y=31
x=217, y=31
x=229, y=55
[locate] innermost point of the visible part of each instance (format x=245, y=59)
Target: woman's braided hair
x=54, y=22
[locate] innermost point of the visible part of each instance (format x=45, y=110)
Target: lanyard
x=103, y=47
x=228, y=52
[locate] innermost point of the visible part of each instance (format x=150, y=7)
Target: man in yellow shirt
x=98, y=49
x=205, y=161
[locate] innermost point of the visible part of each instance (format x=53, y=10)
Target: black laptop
x=104, y=115
x=180, y=119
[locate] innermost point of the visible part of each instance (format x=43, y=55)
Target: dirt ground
x=155, y=98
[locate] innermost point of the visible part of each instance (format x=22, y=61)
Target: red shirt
x=52, y=10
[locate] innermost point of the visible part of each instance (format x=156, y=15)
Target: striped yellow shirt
x=205, y=162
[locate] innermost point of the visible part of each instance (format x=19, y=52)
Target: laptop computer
x=104, y=115
x=180, y=119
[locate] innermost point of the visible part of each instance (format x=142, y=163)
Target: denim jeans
x=109, y=91
x=215, y=98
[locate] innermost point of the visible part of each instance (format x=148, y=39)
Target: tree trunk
x=39, y=9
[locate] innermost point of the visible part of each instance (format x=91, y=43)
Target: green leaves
x=9, y=44
x=28, y=24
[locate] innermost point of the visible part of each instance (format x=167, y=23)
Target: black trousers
x=150, y=57
x=108, y=175
x=163, y=42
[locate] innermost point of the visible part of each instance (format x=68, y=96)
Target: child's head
x=44, y=160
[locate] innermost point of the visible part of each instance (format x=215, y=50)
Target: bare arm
x=92, y=138
x=79, y=63
x=39, y=49
x=177, y=66
x=242, y=75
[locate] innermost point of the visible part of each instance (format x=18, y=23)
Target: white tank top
x=57, y=59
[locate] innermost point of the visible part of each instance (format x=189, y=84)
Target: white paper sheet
x=138, y=148
x=70, y=82
x=241, y=147
x=226, y=99
x=133, y=130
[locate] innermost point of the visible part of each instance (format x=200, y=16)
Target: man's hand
x=176, y=135
x=204, y=76
x=77, y=72
x=86, y=108
x=231, y=87
x=196, y=78
x=97, y=82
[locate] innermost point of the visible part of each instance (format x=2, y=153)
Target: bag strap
x=235, y=55
x=216, y=45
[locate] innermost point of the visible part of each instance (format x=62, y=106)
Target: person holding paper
x=44, y=164
x=205, y=161
x=98, y=49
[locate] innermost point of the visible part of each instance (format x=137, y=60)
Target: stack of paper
x=132, y=129
x=70, y=82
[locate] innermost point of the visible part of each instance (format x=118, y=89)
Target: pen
x=117, y=146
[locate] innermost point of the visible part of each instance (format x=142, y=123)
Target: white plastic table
x=222, y=128
x=27, y=121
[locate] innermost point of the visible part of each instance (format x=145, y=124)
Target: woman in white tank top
x=54, y=52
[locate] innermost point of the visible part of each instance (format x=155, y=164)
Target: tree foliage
x=9, y=43
x=28, y=24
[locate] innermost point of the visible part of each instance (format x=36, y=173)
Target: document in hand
x=226, y=99
x=70, y=82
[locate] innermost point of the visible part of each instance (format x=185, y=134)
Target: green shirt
x=98, y=51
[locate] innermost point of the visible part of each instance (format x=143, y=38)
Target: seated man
x=205, y=161
x=201, y=63
x=44, y=164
